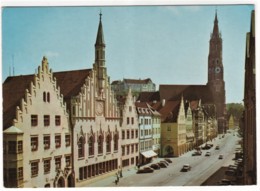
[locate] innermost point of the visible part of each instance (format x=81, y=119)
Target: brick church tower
x=216, y=81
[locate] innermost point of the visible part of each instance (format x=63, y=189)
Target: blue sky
x=169, y=44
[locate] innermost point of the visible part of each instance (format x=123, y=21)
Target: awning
x=149, y=154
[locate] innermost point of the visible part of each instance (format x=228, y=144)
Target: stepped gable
x=189, y=92
x=70, y=83
x=13, y=91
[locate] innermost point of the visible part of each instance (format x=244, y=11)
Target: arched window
x=108, y=143
x=116, y=142
x=81, y=147
x=100, y=144
x=91, y=146
x=44, y=96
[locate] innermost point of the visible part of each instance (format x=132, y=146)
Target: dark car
x=186, y=168
x=145, y=170
x=207, y=154
x=165, y=162
x=196, y=153
x=155, y=166
x=224, y=182
x=220, y=157
x=168, y=160
x=162, y=165
x=217, y=147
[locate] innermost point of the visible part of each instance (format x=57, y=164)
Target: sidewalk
x=110, y=181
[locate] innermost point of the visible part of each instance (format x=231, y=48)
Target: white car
x=186, y=168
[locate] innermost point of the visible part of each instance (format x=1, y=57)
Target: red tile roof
x=70, y=83
x=189, y=92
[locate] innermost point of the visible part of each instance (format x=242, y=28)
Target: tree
x=235, y=109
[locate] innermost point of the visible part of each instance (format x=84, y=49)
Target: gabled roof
x=149, y=96
x=70, y=83
x=189, y=92
x=169, y=112
x=13, y=91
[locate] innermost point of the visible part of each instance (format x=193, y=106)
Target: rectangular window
x=132, y=134
x=81, y=173
x=128, y=134
x=20, y=173
x=46, y=142
x=127, y=119
x=136, y=133
x=123, y=134
x=58, y=163
x=67, y=140
x=67, y=160
x=132, y=148
x=57, y=141
x=128, y=149
x=57, y=120
x=34, y=169
x=136, y=148
x=11, y=147
x=46, y=120
x=47, y=166
x=123, y=150
x=20, y=146
x=132, y=120
x=34, y=120
x=34, y=143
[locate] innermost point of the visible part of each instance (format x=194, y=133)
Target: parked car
x=155, y=166
x=220, y=157
x=217, y=147
x=145, y=170
x=230, y=173
x=186, y=168
x=207, y=154
x=168, y=160
x=162, y=165
x=224, y=182
x=196, y=153
x=165, y=162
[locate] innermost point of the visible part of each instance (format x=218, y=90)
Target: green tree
x=235, y=109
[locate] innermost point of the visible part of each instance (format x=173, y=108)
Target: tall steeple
x=100, y=41
x=99, y=65
x=216, y=81
x=215, y=33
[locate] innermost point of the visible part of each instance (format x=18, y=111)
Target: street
x=202, y=167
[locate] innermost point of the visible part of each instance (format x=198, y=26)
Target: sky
x=169, y=44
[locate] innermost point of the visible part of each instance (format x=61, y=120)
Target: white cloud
x=51, y=54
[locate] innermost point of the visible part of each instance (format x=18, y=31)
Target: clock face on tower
x=217, y=69
x=99, y=108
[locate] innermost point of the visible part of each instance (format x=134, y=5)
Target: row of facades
x=67, y=129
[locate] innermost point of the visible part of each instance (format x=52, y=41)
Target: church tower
x=99, y=65
x=216, y=75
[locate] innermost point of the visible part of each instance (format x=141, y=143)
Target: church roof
x=189, y=92
x=70, y=83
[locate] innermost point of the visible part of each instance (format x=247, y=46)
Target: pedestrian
x=116, y=182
